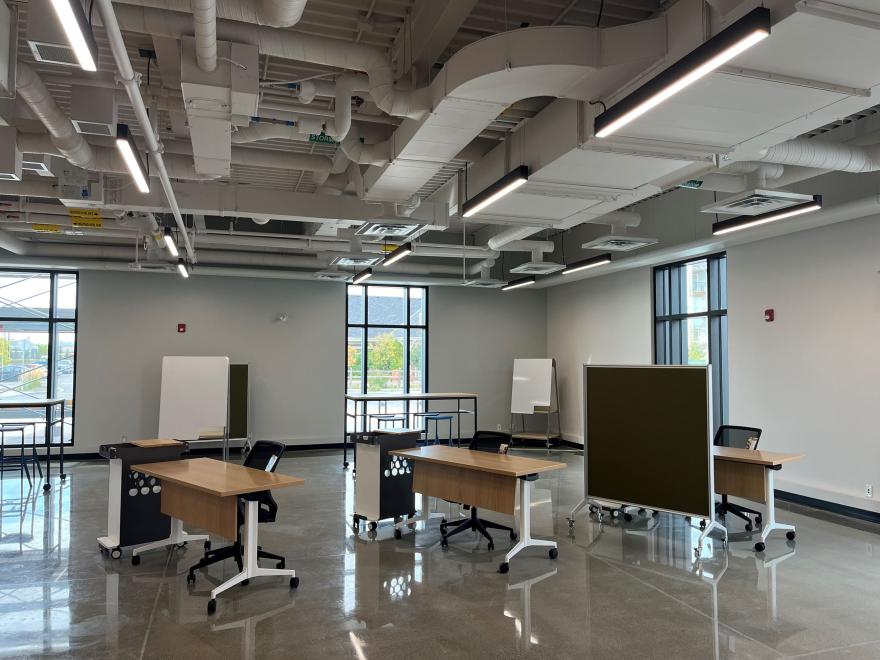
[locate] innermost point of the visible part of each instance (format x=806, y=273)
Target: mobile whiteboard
x=532, y=385
x=195, y=397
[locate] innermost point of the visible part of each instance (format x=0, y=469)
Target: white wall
x=128, y=322
x=605, y=320
x=811, y=379
x=474, y=336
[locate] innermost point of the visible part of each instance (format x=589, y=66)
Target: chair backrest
x=261, y=455
x=489, y=440
x=736, y=436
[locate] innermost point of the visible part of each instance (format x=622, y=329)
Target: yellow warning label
x=85, y=218
x=46, y=228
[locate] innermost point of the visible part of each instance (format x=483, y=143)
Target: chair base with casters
x=724, y=507
x=233, y=551
x=476, y=524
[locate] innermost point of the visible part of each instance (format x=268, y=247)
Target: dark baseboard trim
x=573, y=445
x=831, y=507
x=203, y=451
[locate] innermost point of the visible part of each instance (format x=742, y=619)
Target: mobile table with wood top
x=748, y=473
x=484, y=480
x=204, y=492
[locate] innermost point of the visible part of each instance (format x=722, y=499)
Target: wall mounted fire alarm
x=181, y=327
x=769, y=315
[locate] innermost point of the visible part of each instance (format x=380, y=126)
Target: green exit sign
x=321, y=139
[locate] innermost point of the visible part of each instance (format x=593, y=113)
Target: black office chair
x=263, y=455
x=737, y=437
x=488, y=441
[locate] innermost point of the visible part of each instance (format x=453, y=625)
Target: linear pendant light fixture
x=169, y=242
x=592, y=262
x=399, y=253
x=506, y=184
x=363, y=275
x=747, y=221
x=518, y=284
x=712, y=54
x=127, y=147
x=78, y=31
x=182, y=268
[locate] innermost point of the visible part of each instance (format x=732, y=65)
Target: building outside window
x=386, y=344
x=690, y=320
x=38, y=344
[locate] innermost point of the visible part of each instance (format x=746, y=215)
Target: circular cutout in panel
x=387, y=473
x=132, y=492
x=145, y=491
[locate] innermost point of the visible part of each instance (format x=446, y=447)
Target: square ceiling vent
x=537, y=268
x=484, y=283
x=387, y=229
x=333, y=275
x=613, y=243
x=756, y=202
x=357, y=260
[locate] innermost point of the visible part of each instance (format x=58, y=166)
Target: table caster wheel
x=790, y=535
x=181, y=545
x=280, y=564
x=748, y=527
x=371, y=535
x=398, y=534
x=759, y=520
x=212, y=606
x=116, y=553
x=372, y=527
x=592, y=509
x=294, y=582
x=627, y=517
x=760, y=547
x=654, y=514
x=554, y=553
x=245, y=583
x=345, y=464
x=46, y=487
x=513, y=536
x=444, y=544
x=504, y=567
x=571, y=522
x=702, y=524
x=443, y=529
x=191, y=578
x=490, y=546
x=207, y=545
x=641, y=512
x=135, y=560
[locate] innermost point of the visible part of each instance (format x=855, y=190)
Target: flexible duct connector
x=821, y=155
x=65, y=137
x=365, y=154
x=286, y=45
x=280, y=13
x=205, y=24
x=499, y=240
x=267, y=131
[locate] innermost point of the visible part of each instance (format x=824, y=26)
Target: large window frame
x=54, y=322
x=408, y=326
x=671, y=319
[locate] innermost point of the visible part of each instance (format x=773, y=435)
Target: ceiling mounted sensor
x=65, y=38
x=362, y=276
x=519, y=284
x=505, y=185
x=586, y=264
x=709, y=56
x=748, y=221
x=537, y=268
x=358, y=261
x=396, y=255
x=756, y=202
x=617, y=243
x=126, y=145
x=388, y=229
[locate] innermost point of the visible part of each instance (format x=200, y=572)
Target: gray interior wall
x=605, y=320
x=128, y=322
x=474, y=336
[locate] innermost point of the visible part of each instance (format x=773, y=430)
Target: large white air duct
x=205, y=24
x=823, y=155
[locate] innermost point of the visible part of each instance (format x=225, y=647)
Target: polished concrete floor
x=621, y=590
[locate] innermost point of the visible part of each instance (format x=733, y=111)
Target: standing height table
x=47, y=405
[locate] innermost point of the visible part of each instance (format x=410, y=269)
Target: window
x=37, y=342
x=690, y=320
x=386, y=342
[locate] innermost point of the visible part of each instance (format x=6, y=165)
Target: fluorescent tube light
x=182, y=268
x=747, y=221
x=592, y=262
x=517, y=284
x=78, y=31
x=169, y=242
x=712, y=54
x=127, y=147
x=363, y=275
x=398, y=254
x=506, y=184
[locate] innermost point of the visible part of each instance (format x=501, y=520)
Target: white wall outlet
x=498, y=427
x=869, y=490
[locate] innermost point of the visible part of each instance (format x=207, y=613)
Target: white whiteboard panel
x=195, y=396
x=532, y=384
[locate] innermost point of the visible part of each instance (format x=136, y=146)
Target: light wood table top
x=158, y=442
x=424, y=396
x=755, y=456
x=216, y=477
x=482, y=461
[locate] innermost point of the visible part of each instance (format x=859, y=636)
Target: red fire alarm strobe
x=181, y=327
x=769, y=315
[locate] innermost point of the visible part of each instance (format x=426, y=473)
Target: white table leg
x=712, y=524
x=525, y=528
x=251, y=568
x=176, y=537
x=424, y=515
x=770, y=523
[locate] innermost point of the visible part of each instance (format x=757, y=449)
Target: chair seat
x=442, y=417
